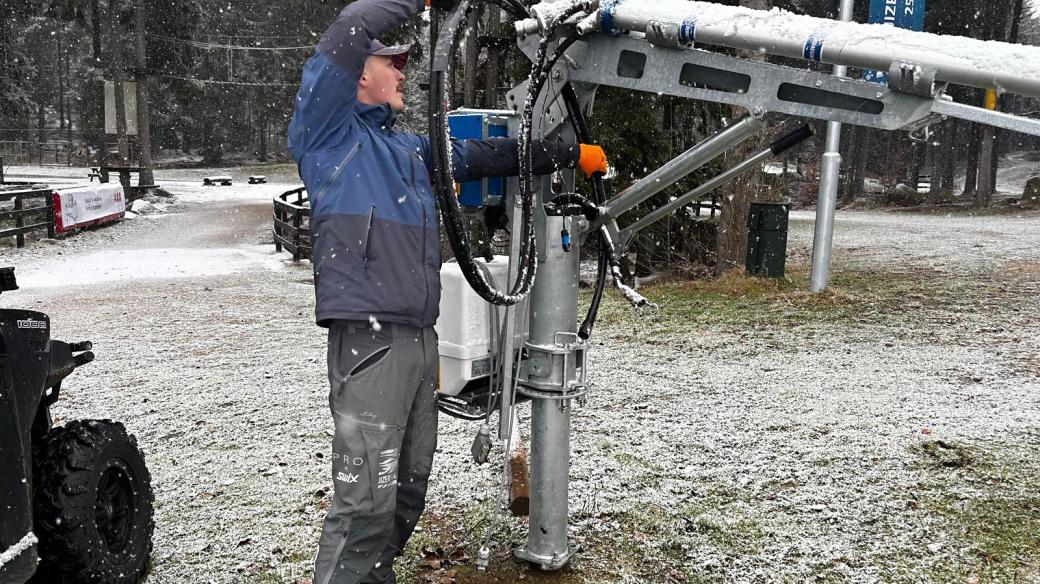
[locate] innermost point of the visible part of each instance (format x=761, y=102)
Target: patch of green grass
x=1003, y=537
x=944, y=454
x=989, y=515
x=855, y=295
x=268, y=577
x=653, y=540
x=644, y=473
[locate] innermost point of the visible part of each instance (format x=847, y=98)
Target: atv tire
x=92, y=505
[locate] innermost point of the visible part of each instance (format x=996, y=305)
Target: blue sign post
x=908, y=14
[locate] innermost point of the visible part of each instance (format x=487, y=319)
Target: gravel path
x=893, y=445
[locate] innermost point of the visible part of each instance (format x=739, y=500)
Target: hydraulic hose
x=443, y=183
x=515, y=9
x=581, y=128
x=441, y=159
x=608, y=252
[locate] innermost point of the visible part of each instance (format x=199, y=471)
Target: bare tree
x=732, y=237
x=469, y=84
x=144, y=123
x=116, y=71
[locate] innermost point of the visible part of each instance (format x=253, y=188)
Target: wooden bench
x=95, y=173
x=124, y=173
x=258, y=180
x=213, y=180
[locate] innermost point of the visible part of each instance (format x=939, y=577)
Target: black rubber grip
x=791, y=140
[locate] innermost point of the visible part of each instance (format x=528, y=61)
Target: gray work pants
x=385, y=413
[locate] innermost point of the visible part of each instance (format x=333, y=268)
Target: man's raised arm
x=328, y=89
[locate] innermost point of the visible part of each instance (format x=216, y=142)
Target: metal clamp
x=576, y=339
x=915, y=79
x=665, y=34
x=576, y=391
x=566, y=345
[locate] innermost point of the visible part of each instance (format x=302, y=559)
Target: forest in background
x=219, y=80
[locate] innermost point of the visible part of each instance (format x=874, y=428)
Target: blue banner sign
x=908, y=14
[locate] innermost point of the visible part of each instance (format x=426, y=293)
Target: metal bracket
x=554, y=116
x=639, y=65
x=911, y=101
x=557, y=357
x=546, y=563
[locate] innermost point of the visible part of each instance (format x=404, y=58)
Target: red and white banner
x=90, y=205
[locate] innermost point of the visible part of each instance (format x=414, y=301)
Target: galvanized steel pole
x=827, y=202
x=957, y=60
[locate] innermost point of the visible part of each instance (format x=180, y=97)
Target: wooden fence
x=292, y=219
x=25, y=219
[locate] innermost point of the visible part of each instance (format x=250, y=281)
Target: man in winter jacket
x=376, y=254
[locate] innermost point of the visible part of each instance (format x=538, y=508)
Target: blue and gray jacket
x=374, y=224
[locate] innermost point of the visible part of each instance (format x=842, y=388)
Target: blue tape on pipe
x=606, y=17
x=688, y=31
x=813, y=49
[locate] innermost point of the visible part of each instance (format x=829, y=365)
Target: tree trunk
x=1015, y=17
x=732, y=229
x=41, y=129
x=97, y=89
x=941, y=170
x=116, y=67
x=858, y=166
x=948, y=163
x=144, y=120
x=3, y=47
x=1003, y=29
x=491, y=75
x=855, y=162
x=60, y=45
x=66, y=62
x=971, y=179
x=984, y=190
x=469, y=84
x=263, y=136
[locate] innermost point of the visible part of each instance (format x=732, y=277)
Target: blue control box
x=472, y=124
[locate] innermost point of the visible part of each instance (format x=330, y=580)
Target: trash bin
x=767, y=239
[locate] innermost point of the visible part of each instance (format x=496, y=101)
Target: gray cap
x=398, y=53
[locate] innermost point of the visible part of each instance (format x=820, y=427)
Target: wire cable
x=222, y=47
x=236, y=83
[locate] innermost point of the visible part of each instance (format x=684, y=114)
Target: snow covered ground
x=187, y=183
x=886, y=432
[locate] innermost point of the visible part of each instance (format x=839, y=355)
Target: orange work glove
x=592, y=160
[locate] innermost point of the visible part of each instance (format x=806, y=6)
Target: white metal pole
x=827, y=202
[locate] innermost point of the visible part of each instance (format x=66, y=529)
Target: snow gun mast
x=663, y=47
x=660, y=47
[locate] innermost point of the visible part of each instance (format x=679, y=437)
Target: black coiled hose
x=442, y=172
